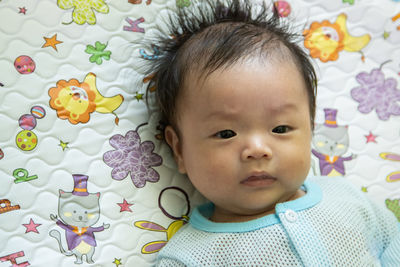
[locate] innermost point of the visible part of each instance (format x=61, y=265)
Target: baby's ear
x=173, y=141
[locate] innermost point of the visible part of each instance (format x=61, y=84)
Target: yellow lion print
x=325, y=40
x=83, y=10
x=75, y=101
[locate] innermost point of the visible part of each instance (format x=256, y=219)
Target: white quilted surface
x=26, y=202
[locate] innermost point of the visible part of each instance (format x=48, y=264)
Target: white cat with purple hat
x=331, y=142
x=78, y=211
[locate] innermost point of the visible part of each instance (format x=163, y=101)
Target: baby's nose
x=257, y=147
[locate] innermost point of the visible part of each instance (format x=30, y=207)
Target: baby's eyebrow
x=289, y=106
x=221, y=114
x=231, y=113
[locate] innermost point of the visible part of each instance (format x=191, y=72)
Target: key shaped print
x=21, y=175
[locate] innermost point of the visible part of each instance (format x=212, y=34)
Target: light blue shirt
x=333, y=224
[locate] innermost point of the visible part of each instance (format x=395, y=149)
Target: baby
x=238, y=97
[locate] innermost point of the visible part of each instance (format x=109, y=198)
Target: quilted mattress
x=77, y=142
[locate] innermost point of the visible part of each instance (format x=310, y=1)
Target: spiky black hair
x=213, y=34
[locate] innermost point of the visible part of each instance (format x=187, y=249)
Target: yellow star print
x=63, y=145
x=139, y=96
x=117, y=262
x=364, y=189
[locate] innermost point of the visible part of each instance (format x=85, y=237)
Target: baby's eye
x=281, y=129
x=225, y=134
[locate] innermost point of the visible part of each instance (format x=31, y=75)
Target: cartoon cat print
x=78, y=211
x=330, y=143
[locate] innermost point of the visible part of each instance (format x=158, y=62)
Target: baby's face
x=245, y=137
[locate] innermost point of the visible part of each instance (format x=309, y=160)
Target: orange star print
x=52, y=41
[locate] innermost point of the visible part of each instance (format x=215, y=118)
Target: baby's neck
x=224, y=216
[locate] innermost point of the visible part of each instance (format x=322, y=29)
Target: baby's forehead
x=223, y=44
x=245, y=74
x=196, y=72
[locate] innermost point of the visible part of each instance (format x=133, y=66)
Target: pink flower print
x=132, y=156
x=377, y=93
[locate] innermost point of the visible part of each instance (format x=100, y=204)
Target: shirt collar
x=199, y=217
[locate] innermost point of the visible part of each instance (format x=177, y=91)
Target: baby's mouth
x=258, y=180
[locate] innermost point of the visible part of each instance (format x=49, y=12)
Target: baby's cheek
x=220, y=166
x=303, y=166
x=301, y=161
x=204, y=177
x=296, y=162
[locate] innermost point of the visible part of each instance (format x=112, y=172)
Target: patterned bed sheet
x=83, y=167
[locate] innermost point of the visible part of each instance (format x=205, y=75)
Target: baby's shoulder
x=338, y=186
x=342, y=196
x=184, y=238
x=185, y=245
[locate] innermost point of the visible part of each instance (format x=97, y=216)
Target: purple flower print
x=132, y=156
x=377, y=93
